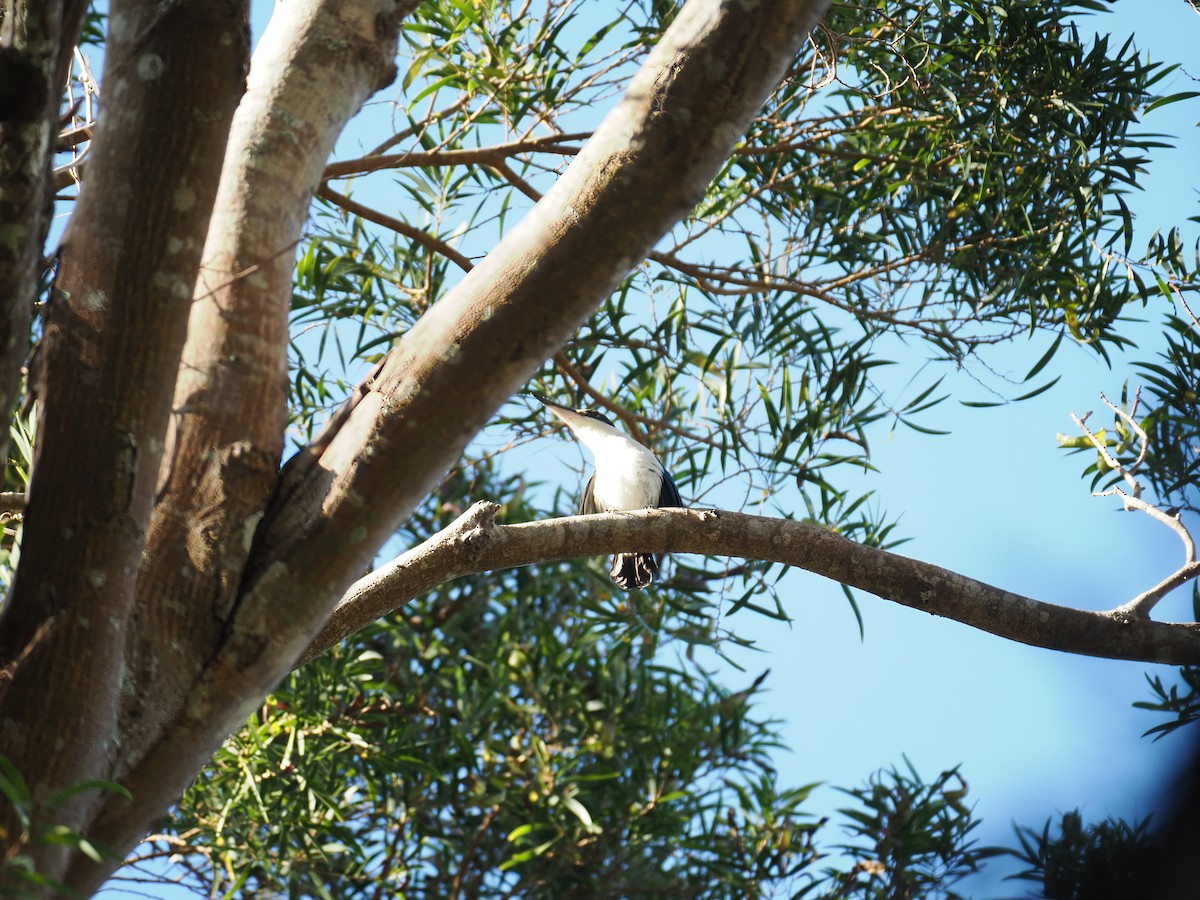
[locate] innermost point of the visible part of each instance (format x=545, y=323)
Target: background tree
x=948, y=175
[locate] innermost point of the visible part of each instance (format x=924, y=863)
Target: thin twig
x=462, y=157
x=426, y=240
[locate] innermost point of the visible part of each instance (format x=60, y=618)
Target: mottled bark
x=312, y=71
x=113, y=331
x=35, y=45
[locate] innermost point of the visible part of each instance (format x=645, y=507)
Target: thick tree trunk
x=35, y=47
x=114, y=328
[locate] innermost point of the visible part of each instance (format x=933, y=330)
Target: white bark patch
x=725, y=135
x=94, y=301
x=248, y=528
x=150, y=66
x=342, y=455
x=97, y=578
x=174, y=245
x=183, y=199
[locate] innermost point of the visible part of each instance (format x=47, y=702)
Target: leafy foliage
x=1107, y=860
x=912, y=838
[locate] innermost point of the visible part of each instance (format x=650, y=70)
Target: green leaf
x=1170, y=98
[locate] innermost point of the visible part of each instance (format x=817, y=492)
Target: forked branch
x=1140, y=606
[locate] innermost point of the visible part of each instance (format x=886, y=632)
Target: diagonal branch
x=645, y=167
x=474, y=543
x=424, y=238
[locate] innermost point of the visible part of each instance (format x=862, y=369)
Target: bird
x=627, y=476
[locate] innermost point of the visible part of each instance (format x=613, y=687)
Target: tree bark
x=35, y=48
x=475, y=543
x=114, y=327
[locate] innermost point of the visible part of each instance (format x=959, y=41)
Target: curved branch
x=1141, y=606
x=474, y=543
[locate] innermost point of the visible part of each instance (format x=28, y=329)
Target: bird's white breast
x=628, y=476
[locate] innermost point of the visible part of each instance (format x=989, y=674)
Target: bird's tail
x=633, y=571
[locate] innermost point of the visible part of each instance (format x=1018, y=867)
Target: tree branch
x=1141, y=606
x=488, y=156
x=424, y=238
x=645, y=167
x=474, y=543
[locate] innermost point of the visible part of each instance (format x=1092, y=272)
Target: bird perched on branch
x=627, y=476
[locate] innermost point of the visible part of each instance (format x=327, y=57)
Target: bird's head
x=584, y=421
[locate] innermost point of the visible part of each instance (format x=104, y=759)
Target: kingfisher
x=627, y=476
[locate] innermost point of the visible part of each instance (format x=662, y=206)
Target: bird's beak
x=565, y=413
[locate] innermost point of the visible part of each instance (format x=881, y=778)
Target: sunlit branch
x=474, y=543
x=424, y=238
x=1141, y=606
